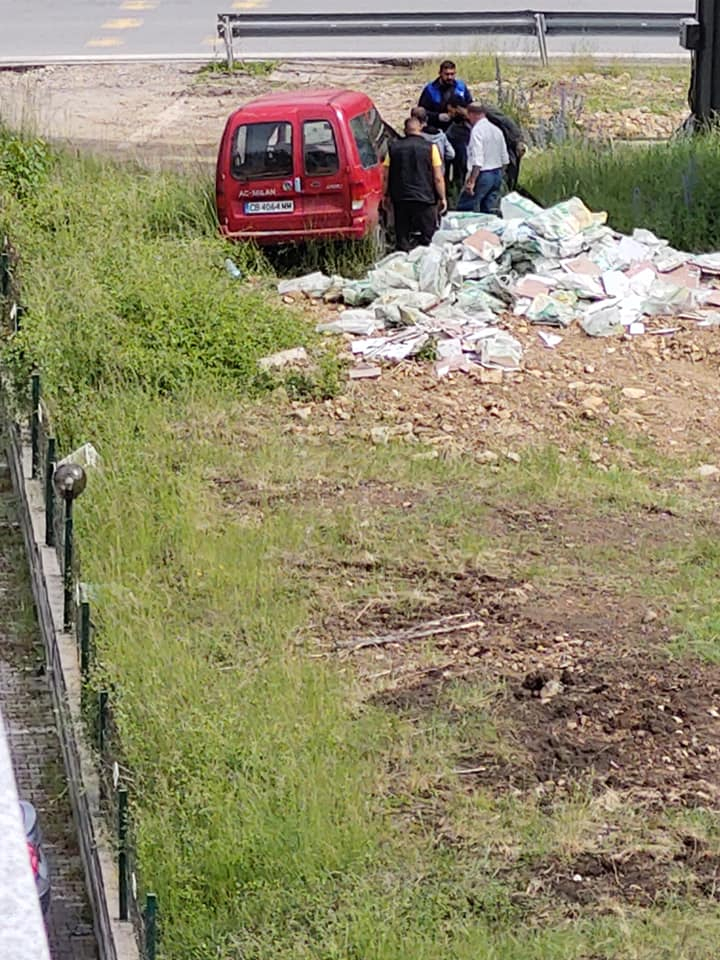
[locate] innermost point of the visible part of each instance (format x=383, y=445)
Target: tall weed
x=124, y=284
x=670, y=188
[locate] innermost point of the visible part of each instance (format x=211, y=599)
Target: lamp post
x=69, y=481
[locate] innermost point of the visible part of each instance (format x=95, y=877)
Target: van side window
x=363, y=140
x=378, y=132
x=319, y=148
x=262, y=151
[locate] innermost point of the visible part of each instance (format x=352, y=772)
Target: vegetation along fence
x=97, y=704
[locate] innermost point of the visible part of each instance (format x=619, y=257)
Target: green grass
x=670, y=188
x=249, y=68
x=279, y=809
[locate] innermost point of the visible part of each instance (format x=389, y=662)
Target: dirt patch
x=636, y=878
x=574, y=389
x=585, y=688
x=238, y=494
x=171, y=114
x=586, y=694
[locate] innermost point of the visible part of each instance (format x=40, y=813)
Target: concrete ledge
x=116, y=939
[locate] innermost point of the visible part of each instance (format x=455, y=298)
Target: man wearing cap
x=413, y=179
x=487, y=157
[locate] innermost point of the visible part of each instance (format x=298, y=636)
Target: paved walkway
x=27, y=707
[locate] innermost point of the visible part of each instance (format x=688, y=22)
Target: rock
x=490, y=375
x=302, y=413
x=633, y=393
x=486, y=456
x=593, y=402
x=707, y=470
x=514, y=457
x=588, y=368
x=649, y=616
x=367, y=372
x=380, y=435
x=549, y=690
x=284, y=358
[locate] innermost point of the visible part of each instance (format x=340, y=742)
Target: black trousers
x=415, y=223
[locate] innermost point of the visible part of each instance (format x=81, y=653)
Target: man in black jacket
x=514, y=141
x=458, y=133
x=413, y=179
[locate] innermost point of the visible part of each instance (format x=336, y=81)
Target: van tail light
x=357, y=195
x=34, y=859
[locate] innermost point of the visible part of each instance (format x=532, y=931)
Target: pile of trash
x=552, y=267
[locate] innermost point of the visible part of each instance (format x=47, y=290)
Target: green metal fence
x=135, y=905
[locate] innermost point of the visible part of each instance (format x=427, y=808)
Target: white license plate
x=270, y=206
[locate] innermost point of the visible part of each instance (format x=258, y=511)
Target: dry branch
x=429, y=628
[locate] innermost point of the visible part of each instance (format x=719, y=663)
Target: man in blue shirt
x=436, y=95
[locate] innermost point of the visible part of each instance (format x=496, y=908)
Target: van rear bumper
x=356, y=231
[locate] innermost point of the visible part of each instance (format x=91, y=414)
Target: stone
x=490, y=375
x=707, y=470
x=284, y=358
x=633, y=393
x=368, y=372
x=549, y=690
x=486, y=456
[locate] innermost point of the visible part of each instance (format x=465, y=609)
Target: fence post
x=150, y=926
x=102, y=722
x=67, y=566
x=228, y=38
x=84, y=629
x=35, y=424
x=4, y=273
x=540, y=33
x=122, y=799
x=50, y=494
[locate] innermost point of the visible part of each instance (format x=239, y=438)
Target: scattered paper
x=550, y=340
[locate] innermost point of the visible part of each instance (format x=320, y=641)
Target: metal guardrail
x=527, y=22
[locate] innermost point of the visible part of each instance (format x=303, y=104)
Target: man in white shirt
x=487, y=156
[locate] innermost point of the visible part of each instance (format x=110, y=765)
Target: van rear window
x=262, y=151
x=319, y=148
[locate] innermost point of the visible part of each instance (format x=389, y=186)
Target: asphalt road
x=37, y=31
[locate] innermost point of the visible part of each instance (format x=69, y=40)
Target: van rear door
x=261, y=191
x=324, y=187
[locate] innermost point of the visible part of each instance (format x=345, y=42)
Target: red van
x=303, y=164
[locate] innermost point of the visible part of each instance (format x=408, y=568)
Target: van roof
x=336, y=96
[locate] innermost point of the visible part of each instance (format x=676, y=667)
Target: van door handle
x=298, y=185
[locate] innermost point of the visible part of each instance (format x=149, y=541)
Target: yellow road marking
x=105, y=42
x=122, y=23
x=248, y=4
x=209, y=41
x=138, y=5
